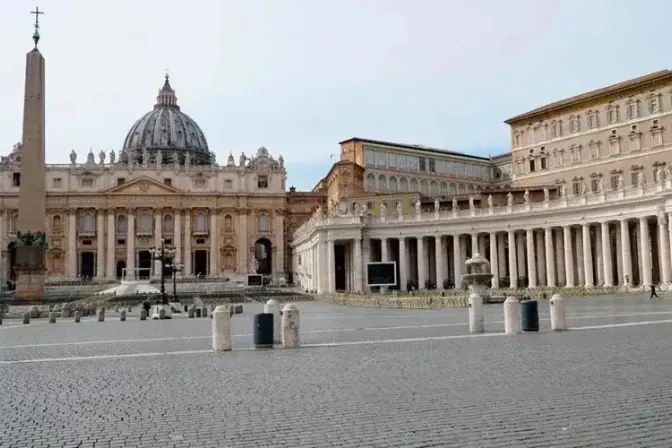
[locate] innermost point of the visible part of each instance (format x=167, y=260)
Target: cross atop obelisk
x=36, y=34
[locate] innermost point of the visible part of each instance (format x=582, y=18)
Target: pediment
x=142, y=185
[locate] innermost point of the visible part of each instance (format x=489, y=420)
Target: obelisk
x=30, y=266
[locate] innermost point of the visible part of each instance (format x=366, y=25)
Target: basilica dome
x=165, y=134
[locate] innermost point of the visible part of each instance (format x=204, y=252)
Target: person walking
x=653, y=292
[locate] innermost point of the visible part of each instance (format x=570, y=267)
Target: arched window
x=168, y=224
x=452, y=189
x=424, y=189
x=443, y=189
x=228, y=223
x=87, y=223
x=403, y=185
x=263, y=224
x=370, y=182
x=433, y=188
x=145, y=223
x=393, y=183
x=414, y=185
x=56, y=225
x=382, y=182
x=201, y=223
x=121, y=224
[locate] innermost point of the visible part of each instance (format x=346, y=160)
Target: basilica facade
x=106, y=210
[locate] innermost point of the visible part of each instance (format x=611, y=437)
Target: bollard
x=290, y=326
x=476, y=323
x=34, y=312
x=529, y=315
x=273, y=308
x=162, y=314
x=65, y=311
x=204, y=311
x=511, y=315
x=1, y=318
x=191, y=314
x=263, y=330
x=198, y=312
x=52, y=317
x=558, y=313
x=101, y=315
x=221, y=329
x=238, y=309
x=78, y=316
x=123, y=315
x=26, y=318
x=143, y=314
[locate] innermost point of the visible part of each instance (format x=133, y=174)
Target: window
x=614, y=177
x=391, y=160
x=633, y=109
x=594, y=149
x=656, y=135
x=56, y=225
x=57, y=182
x=654, y=104
x=201, y=224
x=530, y=136
x=87, y=224
x=199, y=183
x=16, y=179
x=145, y=223
x=516, y=140
x=595, y=183
x=121, y=181
x=168, y=224
x=262, y=181
x=228, y=223
x=369, y=157
x=576, y=154
x=228, y=184
x=168, y=182
x=393, y=183
x=432, y=166
x=382, y=183
x=423, y=164
x=576, y=186
x=556, y=129
x=380, y=159
x=263, y=224
x=87, y=182
x=121, y=224
x=403, y=185
x=635, y=177
x=574, y=124
x=370, y=182
x=12, y=224
x=369, y=205
x=593, y=119
x=635, y=141
x=612, y=114
x=614, y=143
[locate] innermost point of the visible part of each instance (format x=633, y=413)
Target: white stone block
x=558, y=313
x=221, y=329
x=290, y=326
x=273, y=308
x=476, y=322
x=512, y=316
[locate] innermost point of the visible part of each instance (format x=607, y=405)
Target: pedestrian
x=653, y=292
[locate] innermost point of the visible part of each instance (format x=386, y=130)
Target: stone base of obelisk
x=29, y=283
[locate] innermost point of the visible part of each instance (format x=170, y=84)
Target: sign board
x=381, y=273
x=255, y=280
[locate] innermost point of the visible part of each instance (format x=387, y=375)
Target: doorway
x=87, y=264
x=264, y=255
x=201, y=263
x=144, y=264
x=339, y=263
x=121, y=265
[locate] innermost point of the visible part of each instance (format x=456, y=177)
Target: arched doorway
x=264, y=256
x=121, y=265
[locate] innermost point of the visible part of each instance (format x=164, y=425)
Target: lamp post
x=175, y=267
x=165, y=255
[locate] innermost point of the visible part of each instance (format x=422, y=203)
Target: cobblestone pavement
x=372, y=378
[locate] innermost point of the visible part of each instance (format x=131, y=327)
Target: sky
x=298, y=76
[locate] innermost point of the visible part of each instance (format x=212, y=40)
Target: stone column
x=440, y=266
x=501, y=254
x=561, y=277
x=663, y=235
x=578, y=242
x=606, y=256
x=481, y=245
x=550, y=257
x=494, y=261
x=187, y=270
x=625, y=251
x=474, y=244
x=619, y=258
x=100, y=243
x=645, y=251
x=214, y=244
x=569, y=259
x=158, y=236
x=422, y=272
x=331, y=267
x=540, y=252
x=587, y=257
x=111, y=244
x=520, y=255
x=357, y=265
x=531, y=263
x=72, y=244
x=366, y=258
x=513, y=263
x=130, y=245
x=599, y=258
x=384, y=256
x=177, y=235
x=457, y=263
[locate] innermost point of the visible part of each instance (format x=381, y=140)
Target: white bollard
x=290, y=326
x=273, y=308
x=558, y=313
x=221, y=329
x=511, y=316
x=476, y=323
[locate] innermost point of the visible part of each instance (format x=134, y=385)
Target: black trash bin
x=529, y=315
x=263, y=330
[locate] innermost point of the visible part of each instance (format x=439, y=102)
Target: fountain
x=477, y=277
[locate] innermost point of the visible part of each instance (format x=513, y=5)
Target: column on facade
x=494, y=262
x=569, y=261
x=626, y=256
x=440, y=265
x=501, y=254
x=664, y=251
x=587, y=256
x=463, y=254
x=186, y=269
x=606, y=255
x=599, y=256
x=457, y=263
x=214, y=244
x=366, y=258
x=474, y=244
x=513, y=262
x=531, y=263
x=130, y=245
x=422, y=271
x=177, y=235
x=668, y=219
x=384, y=250
x=549, y=257
x=481, y=245
x=111, y=247
x=158, y=236
x=357, y=264
x=645, y=251
x=100, y=243
x=331, y=265
x=578, y=247
x=540, y=252
x=619, y=258
x=520, y=255
x=561, y=277
x=72, y=244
